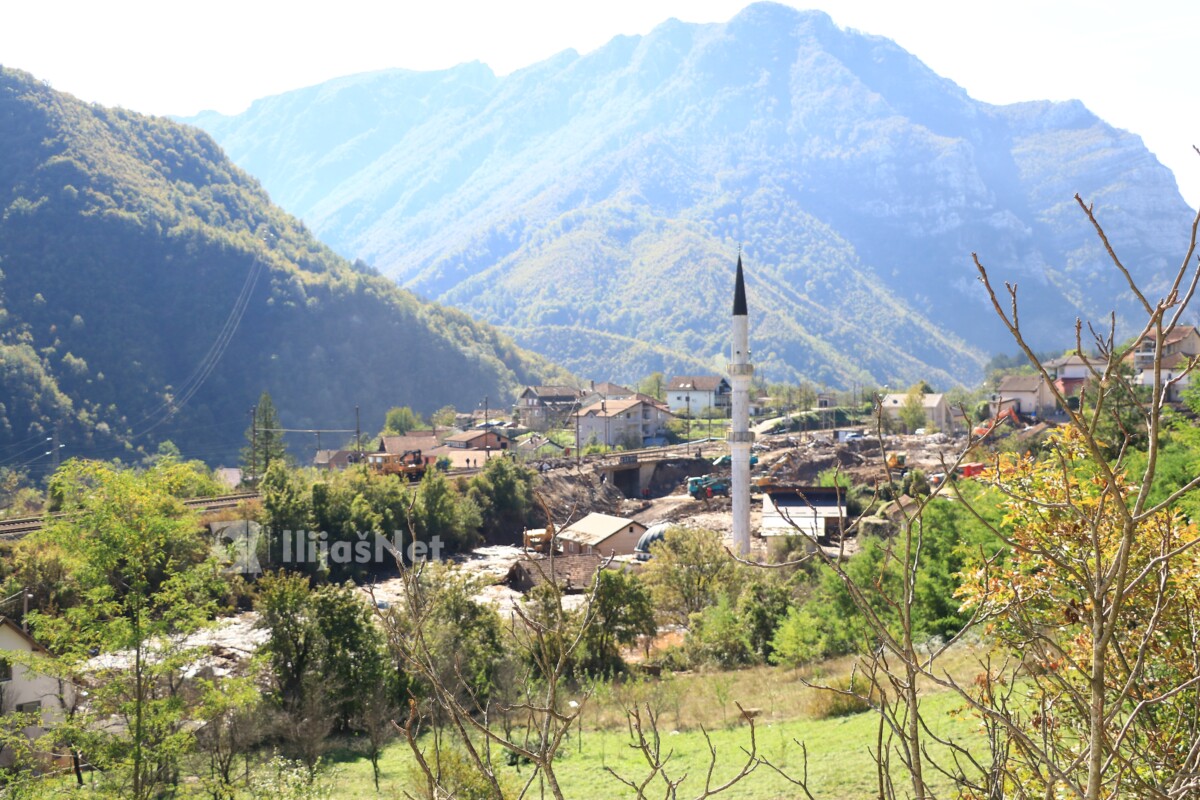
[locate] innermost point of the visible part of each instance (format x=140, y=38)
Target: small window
x=29, y=708
x=5, y=670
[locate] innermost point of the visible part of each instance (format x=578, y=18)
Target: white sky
x=1132, y=63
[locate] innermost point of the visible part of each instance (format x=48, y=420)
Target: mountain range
x=149, y=290
x=593, y=205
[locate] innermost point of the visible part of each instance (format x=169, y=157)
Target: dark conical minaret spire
x=739, y=292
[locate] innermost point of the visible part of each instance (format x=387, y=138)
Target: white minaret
x=740, y=437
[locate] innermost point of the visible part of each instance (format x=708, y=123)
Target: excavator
x=409, y=464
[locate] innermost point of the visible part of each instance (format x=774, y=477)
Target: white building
x=1028, y=395
x=937, y=410
x=695, y=394
x=628, y=423
x=23, y=690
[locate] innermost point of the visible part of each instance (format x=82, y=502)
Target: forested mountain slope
x=150, y=290
x=593, y=197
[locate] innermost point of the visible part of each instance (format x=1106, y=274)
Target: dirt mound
x=571, y=492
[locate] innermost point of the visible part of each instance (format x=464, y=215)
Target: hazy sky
x=1132, y=63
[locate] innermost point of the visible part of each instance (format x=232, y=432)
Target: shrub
x=841, y=697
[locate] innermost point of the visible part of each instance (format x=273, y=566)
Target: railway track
x=21, y=526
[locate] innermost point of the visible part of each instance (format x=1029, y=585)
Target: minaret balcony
x=740, y=370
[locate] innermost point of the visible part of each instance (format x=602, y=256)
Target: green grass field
x=840, y=763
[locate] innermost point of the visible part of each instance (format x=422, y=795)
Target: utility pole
x=254, y=442
x=604, y=411
x=54, y=447
x=688, y=398
x=357, y=433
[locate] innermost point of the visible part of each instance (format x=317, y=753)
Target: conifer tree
x=264, y=441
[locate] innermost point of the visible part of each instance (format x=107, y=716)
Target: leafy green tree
x=461, y=641
x=444, y=417
x=653, y=384
x=761, y=606
x=688, y=570
x=143, y=580
x=622, y=611
x=323, y=648
x=717, y=637
x=440, y=513
x=503, y=492
x=912, y=410
x=400, y=420
x=800, y=638
x=287, y=508
x=264, y=442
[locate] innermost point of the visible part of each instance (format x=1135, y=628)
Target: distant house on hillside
x=1028, y=395
x=602, y=534
x=1181, y=346
x=1071, y=372
x=543, y=407
x=694, y=394
x=937, y=410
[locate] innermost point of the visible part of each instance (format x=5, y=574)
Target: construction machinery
x=410, y=464
x=897, y=462
x=705, y=486
x=726, y=460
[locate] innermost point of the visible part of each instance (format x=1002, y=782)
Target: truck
x=705, y=486
x=409, y=464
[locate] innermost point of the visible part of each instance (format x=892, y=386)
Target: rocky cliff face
x=593, y=204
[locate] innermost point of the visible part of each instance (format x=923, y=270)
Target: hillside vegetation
x=607, y=193
x=150, y=290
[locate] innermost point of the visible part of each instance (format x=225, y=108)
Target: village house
x=334, y=460
x=411, y=442
x=937, y=410
x=21, y=689
x=628, y=423
x=476, y=439
x=542, y=407
x=695, y=394
x=1028, y=395
x=1071, y=373
x=537, y=446
x=1181, y=346
x=602, y=534
x=605, y=390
